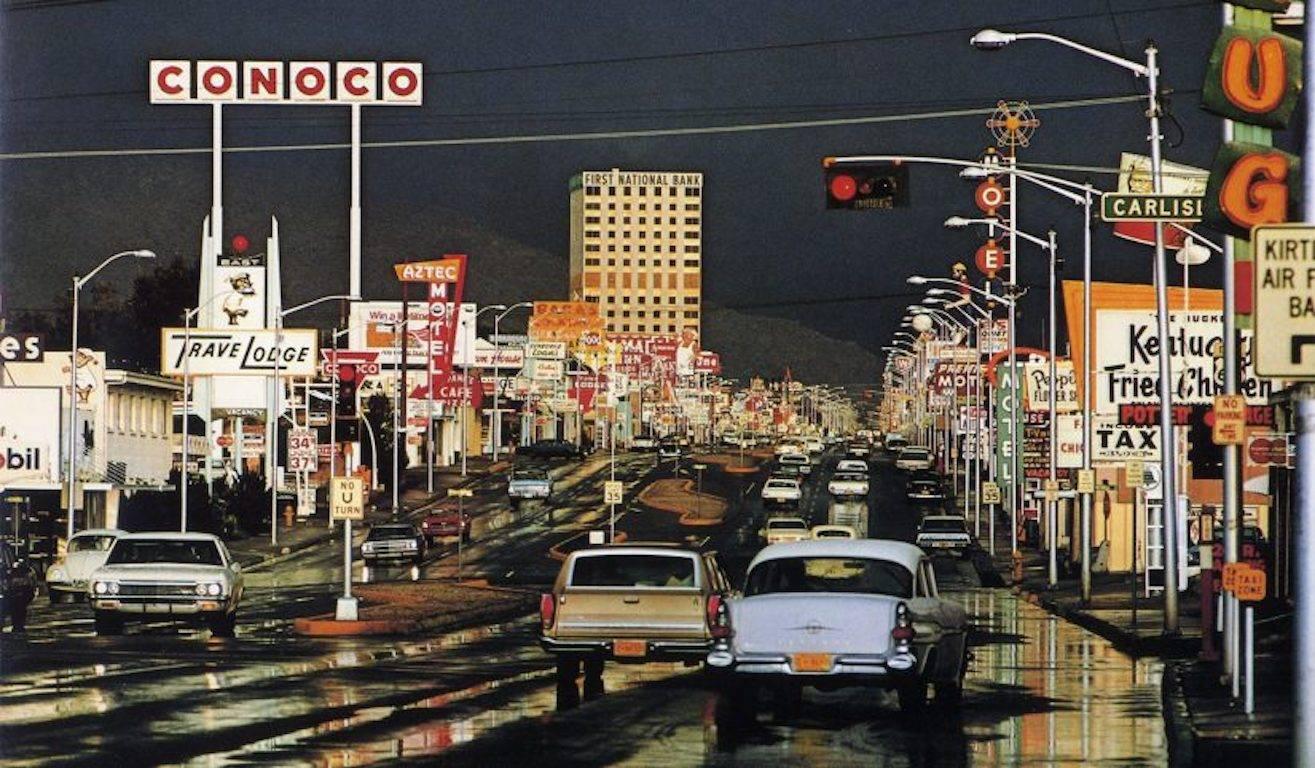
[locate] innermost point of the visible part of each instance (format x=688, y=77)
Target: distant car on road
x=847, y=484
x=154, y=576
x=910, y=459
x=924, y=489
x=17, y=588
x=852, y=465
x=782, y=529
x=644, y=443
x=445, y=524
x=833, y=532
x=551, y=449
x=393, y=542
x=895, y=442
x=779, y=491
x=942, y=532
x=66, y=579
x=835, y=613
x=790, y=446
x=859, y=449
x=670, y=449
x=799, y=460
x=814, y=444
x=528, y=483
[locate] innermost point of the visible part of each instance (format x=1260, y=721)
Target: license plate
x=811, y=662
x=629, y=648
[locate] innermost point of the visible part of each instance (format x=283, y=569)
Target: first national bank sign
x=389, y=83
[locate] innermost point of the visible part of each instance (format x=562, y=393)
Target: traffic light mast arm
x=1075, y=192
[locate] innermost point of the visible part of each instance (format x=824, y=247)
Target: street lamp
x=1050, y=246
x=497, y=351
x=78, y=282
x=993, y=39
x=272, y=412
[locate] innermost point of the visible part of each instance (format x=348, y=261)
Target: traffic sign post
x=1086, y=481
x=346, y=503
x=461, y=495
x=990, y=493
x=1230, y=420
x=1284, y=301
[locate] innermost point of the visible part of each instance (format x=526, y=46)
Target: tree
x=379, y=414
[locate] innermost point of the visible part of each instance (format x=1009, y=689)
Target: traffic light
x=347, y=381
x=866, y=186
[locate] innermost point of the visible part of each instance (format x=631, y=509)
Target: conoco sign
x=389, y=83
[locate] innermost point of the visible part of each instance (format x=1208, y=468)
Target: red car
x=446, y=523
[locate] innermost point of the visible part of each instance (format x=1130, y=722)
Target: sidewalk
x=254, y=551
x=1204, y=724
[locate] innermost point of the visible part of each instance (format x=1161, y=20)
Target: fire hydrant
x=1017, y=560
x=287, y=515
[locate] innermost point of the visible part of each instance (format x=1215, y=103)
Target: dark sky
x=74, y=77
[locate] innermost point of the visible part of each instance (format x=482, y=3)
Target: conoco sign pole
x=354, y=214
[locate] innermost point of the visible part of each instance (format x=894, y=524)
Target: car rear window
x=787, y=524
x=390, y=532
x=633, y=570
x=834, y=534
x=136, y=552
x=853, y=575
x=781, y=484
x=953, y=525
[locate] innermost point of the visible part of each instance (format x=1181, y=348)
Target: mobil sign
x=29, y=434
x=299, y=83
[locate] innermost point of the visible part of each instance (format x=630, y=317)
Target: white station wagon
x=835, y=613
x=153, y=576
x=87, y=550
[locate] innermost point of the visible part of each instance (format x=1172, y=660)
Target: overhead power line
x=834, y=122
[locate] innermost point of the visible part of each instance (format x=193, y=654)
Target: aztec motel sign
x=298, y=83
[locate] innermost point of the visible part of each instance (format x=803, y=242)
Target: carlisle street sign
x=1124, y=206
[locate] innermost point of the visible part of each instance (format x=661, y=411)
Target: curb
x=1177, y=719
x=326, y=626
x=686, y=518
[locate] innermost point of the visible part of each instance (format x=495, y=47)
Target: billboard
x=90, y=397
x=240, y=295
x=214, y=352
x=371, y=324
x=30, y=434
x=565, y=321
x=1036, y=386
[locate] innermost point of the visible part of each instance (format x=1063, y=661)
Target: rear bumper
x=392, y=557
x=655, y=650
x=846, y=669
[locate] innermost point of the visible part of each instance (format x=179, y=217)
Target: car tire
x=18, y=616
x=912, y=698
x=736, y=706
x=593, y=678
x=107, y=624
x=568, y=693
x=224, y=625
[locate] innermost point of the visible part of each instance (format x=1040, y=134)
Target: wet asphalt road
x=1039, y=692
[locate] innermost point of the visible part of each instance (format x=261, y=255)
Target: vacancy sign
x=1284, y=305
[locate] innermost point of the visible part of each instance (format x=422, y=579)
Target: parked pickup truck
x=529, y=484
x=631, y=603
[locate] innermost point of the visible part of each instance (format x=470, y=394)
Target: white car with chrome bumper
x=838, y=613
x=153, y=576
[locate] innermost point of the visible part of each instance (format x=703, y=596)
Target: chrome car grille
x=158, y=590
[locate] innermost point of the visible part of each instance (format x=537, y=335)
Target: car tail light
x=719, y=617
x=547, y=609
x=903, y=631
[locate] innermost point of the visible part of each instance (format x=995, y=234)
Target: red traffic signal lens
x=843, y=187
